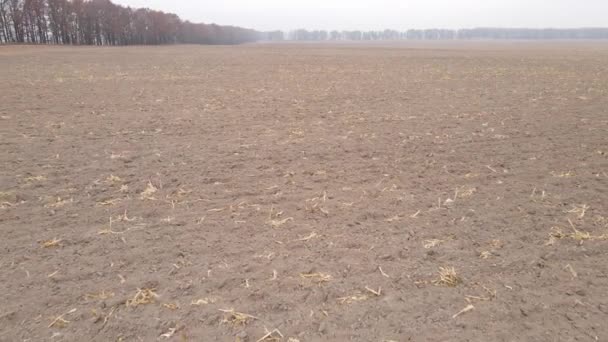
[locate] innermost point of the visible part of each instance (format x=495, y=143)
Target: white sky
x=381, y=14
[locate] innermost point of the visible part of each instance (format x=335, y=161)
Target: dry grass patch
x=51, y=243
x=203, y=301
x=274, y=335
x=125, y=218
x=464, y=192
x=59, y=203
x=274, y=218
x=6, y=204
x=148, y=192
x=278, y=223
x=142, y=297
x=485, y=254
x=579, y=210
x=578, y=235
x=113, y=179
x=581, y=236
x=428, y=244
x=116, y=156
x=60, y=321
x=601, y=220
x=236, y=318
x=171, y=306
x=555, y=234
x=491, y=295
x=109, y=202
x=376, y=293
x=316, y=277
x=169, y=333
x=314, y=205
x=448, y=277
x=359, y=297
x=563, y=174
x=306, y=238
x=393, y=218
x=353, y=299
x=35, y=179
x=101, y=316
x=572, y=271
x=496, y=244
x=384, y=274
x=103, y=295
x=468, y=308
x=110, y=231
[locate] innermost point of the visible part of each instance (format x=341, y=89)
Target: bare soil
x=192, y=193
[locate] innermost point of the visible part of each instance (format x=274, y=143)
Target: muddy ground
x=427, y=192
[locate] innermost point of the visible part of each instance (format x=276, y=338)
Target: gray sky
x=381, y=14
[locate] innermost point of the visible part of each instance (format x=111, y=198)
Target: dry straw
x=141, y=297
x=448, y=277
x=316, y=277
x=51, y=243
x=236, y=318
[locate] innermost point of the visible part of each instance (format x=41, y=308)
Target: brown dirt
x=315, y=189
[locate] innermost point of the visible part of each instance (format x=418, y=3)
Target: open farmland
x=421, y=192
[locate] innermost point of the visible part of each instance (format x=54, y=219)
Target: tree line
x=101, y=22
x=445, y=34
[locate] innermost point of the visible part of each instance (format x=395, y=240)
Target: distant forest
x=443, y=34
x=101, y=22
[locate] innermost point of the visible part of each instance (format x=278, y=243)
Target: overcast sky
x=381, y=14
